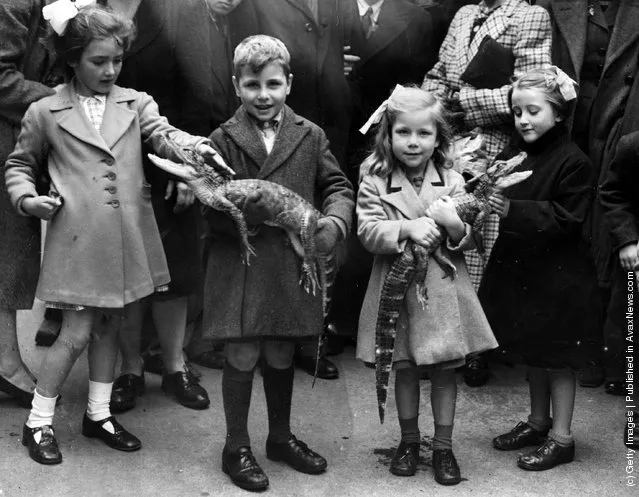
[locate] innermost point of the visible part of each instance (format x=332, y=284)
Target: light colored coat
x=103, y=247
x=453, y=323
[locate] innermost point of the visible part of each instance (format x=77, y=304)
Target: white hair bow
x=565, y=84
x=59, y=13
x=379, y=112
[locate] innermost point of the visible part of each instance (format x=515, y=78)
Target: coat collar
x=291, y=132
x=494, y=26
x=393, y=19
x=403, y=197
x=571, y=19
x=70, y=115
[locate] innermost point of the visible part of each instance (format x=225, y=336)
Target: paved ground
x=181, y=448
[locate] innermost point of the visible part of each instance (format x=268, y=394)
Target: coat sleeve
x=489, y=107
x=545, y=221
x=437, y=80
x=16, y=92
x=335, y=191
x=618, y=193
x=468, y=241
x=27, y=160
x=378, y=234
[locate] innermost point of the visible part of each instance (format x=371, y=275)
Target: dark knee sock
x=237, y=387
x=443, y=438
x=278, y=389
x=407, y=400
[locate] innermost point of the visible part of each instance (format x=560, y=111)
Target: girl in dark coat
x=540, y=284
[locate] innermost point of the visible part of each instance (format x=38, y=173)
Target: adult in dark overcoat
x=25, y=67
x=599, y=50
x=315, y=39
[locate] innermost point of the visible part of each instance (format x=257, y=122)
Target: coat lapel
x=117, y=117
x=70, y=116
x=572, y=22
x=466, y=25
x=292, y=131
x=304, y=8
x=242, y=132
x=403, y=197
x=391, y=23
x=625, y=32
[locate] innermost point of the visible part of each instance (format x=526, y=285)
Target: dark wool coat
x=264, y=299
x=23, y=66
x=150, y=65
x=103, y=247
x=320, y=92
x=615, y=107
x=539, y=290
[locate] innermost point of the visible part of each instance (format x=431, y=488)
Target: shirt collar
x=363, y=6
x=273, y=123
x=99, y=98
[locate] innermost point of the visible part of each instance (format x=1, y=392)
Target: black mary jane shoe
x=244, y=470
x=404, y=462
x=186, y=389
x=297, y=455
x=476, y=372
x=519, y=437
x=22, y=397
x=120, y=440
x=126, y=390
x=46, y=451
x=445, y=467
x=549, y=455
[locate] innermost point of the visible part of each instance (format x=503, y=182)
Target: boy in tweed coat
x=526, y=31
x=261, y=309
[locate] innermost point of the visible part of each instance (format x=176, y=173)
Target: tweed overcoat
x=103, y=247
x=264, y=299
x=540, y=291
x=24, y=66
x=452, y=325
x=615, y=108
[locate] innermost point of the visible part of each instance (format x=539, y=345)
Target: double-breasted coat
x=264, y=299
x=24, y=68
x=103, y=247
x=452, y=325
x=615, y=105
x=539, y=291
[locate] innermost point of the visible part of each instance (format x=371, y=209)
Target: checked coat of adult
x=265, y=299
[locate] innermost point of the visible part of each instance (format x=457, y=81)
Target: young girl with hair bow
x=540, y=283
x=103, y=250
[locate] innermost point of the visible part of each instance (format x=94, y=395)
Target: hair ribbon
x=60, y=12
x=376, y=116
x=565, y=84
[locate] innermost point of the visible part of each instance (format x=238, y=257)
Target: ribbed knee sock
x=237, y=387
x=278, y=389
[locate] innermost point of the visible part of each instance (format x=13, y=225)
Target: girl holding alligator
x=405, y=194
x=103, y=250
x=539, y=286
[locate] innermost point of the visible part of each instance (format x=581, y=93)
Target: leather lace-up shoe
x=126, y=390
x=404, y=462
x=244, y=470
x=549, y=455
x=519, y=437
x=297, y=455
x=46, y=451
x=186, y=389
x=445, y=467
x=326, y=370
x=476, y=372
x=120, y=440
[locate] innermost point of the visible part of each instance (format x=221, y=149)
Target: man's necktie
x=367, y=23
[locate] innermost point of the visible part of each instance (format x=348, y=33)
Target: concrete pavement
x=181, y=454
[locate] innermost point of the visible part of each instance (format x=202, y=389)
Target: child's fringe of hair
x=381, y=160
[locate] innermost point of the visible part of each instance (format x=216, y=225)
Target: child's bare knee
x=243, y=356
x=74, y=344
x=279, y=354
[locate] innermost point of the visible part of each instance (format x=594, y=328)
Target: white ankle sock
x=98, y=406
x=42, y=410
